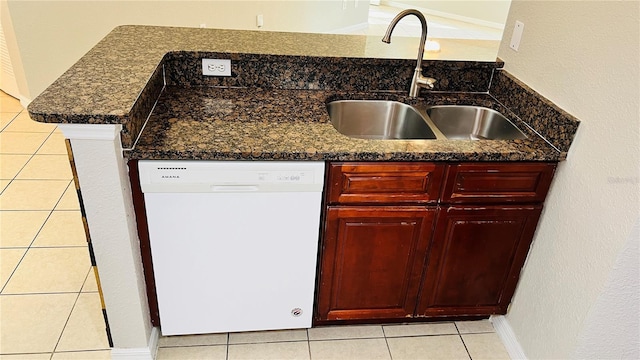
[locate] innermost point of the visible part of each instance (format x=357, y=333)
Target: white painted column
x=106, y=194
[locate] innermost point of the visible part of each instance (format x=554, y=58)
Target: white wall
x=14, y=83
x=477, y=11
x=583, y=56
x=8, y=82
x=611, y=331
x=52, y=35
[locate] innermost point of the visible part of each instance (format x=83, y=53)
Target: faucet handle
x=418, y=81
x=426, y=82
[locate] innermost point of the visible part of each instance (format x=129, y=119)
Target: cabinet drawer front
x=497, y=183
x=374, y=183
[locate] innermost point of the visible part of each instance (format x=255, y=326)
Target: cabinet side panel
x=145, y=247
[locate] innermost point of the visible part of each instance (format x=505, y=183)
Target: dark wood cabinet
x=384, y=183
x=499, y=183
x=372, y=261
x=475, y=259
x=412, y=240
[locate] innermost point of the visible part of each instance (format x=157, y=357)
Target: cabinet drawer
x=497, y=182
x=374, y=183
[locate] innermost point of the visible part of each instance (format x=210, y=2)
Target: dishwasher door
x=238, y=258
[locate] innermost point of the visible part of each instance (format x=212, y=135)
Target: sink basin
x=472, y=123
x=378, y=119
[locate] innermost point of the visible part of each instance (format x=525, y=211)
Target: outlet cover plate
x=216, y=67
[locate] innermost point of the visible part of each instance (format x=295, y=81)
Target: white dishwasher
x=234, y=244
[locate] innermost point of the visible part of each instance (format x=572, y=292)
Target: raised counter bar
x=118, y=81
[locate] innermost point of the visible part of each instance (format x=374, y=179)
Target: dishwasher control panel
x=204, y=176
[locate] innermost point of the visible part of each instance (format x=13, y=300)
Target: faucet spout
x=418, y=80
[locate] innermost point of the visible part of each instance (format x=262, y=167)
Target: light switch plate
x=516, y=36
x=216, y=67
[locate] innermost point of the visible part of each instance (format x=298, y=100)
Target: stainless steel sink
x=378, y=119
x=472, y=123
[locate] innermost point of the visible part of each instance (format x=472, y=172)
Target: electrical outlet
x=216, y=67
x=259, y=20
x=344, y=5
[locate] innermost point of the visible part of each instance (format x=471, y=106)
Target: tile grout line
x=25, y=353
x=25, y=210
x=71, y=312
x=306, y=331
x=58, y=247
x=44, y=142
x=85, y=280
x=13, y=272
x=10, y=121
x=27, y=132
x=39, y=180
x=79, y=351
x=386, y=341
x=463, y=343
x=64, y=192
x=66, y=323
x=258, y=342
x=45, y=293
x=30, y=155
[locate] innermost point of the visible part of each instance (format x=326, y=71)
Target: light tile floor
x=49, y=302
x=450, y=340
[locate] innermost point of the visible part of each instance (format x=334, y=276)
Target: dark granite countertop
x=276, y=111
x=259, y=124
x=104, y=85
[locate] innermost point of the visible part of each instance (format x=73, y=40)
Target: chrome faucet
x=418, y=80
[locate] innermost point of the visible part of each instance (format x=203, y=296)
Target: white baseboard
x=24, y=101
x=508, y=337
x=153, y=341
x=148, y=353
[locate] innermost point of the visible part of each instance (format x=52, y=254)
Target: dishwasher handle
x=234, y=188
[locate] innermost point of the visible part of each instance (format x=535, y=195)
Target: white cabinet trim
x=90, y=131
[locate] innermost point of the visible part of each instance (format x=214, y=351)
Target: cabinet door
x=475, y=259
x=372, y=261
